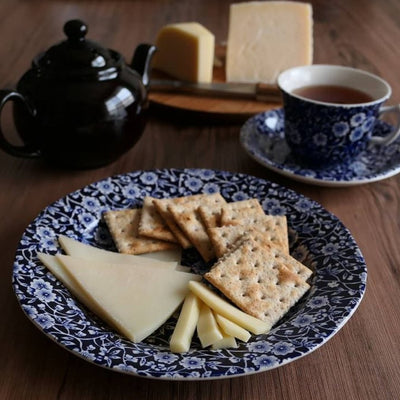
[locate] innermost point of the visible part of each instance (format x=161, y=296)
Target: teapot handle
x=25, y=150
x=141, y=61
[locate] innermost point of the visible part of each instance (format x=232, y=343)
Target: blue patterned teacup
x=323, y=133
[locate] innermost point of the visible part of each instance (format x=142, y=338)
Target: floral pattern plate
x=263, y=137
x=317, y=238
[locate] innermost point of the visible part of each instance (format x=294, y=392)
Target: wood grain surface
x=360, y=362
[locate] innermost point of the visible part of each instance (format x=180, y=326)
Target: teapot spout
x=141, y=61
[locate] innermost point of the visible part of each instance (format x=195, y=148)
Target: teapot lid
x=78, y=56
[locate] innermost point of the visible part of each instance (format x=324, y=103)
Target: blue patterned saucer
x=317, y=238
x=262, y=136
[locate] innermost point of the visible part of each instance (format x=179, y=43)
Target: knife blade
x=252, y=91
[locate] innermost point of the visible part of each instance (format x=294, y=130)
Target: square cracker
x=259, y=279
x=234, y=213
x=123, y=226
x=271, y=228
x=162, y=207
x=151, y=223
x=185, y=212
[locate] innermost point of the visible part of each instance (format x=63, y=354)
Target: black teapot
x=80, y=105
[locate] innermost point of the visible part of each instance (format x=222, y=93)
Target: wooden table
x=361, y=362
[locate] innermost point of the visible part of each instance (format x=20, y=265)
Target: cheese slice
x=82, y=250
x=230, y=328
x=222, y=307
x=267, y=37
x=134, y=299
x=227, y=342
x=207, y=328
x=186, y=325
x=185, y=51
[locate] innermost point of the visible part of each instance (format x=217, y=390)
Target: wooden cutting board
x=230, y=109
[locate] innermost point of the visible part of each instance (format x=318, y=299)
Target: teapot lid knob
x=75, y=30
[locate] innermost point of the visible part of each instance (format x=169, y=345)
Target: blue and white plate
x=317, y=238
x=263, y=137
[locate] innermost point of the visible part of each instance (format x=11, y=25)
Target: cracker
x=271, y=229
x=259, y=280
x=211, y=217
x=151, y=223
x=187, y=216
x=162, y=207
x=234, y=213
x=123, y=226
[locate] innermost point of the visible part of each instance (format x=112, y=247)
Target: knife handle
x=268, y=92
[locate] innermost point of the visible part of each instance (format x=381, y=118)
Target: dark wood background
x=360, y=362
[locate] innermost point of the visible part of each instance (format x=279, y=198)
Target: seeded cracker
x=185, y=213
x=123, y=226
x=259, y=283
x=152, y=224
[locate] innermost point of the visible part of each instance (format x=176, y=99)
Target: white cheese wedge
x=267, y=37
x=185, y=51
x=207, y=328
x=134, y=299
x=227, y=342
x=230, y=328
x=82, y=250
x=227, y=310
x=186, y=325
x=57, y=269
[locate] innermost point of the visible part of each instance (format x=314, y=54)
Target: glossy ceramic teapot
x=80, y=105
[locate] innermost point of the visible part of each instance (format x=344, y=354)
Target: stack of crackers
x=253, y=266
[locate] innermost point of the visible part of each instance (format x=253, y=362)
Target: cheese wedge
x=57, y=269
x=222, y=307
x=185, y=51
x=134, y=299
x=230, y=328
x=82, y=250
x=267, y=37
x=186, y=325
x=207, y=328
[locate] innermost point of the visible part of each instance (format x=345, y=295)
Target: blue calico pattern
x=317, y=238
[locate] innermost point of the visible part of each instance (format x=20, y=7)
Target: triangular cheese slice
x=134, y=299
x=78, y=249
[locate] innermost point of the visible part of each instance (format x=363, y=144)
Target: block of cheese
x=227, y=310
x=207, y=328
x=186, y=325
x=185, y=51
x=267, y=37
x=78, y=249
x=132, y=298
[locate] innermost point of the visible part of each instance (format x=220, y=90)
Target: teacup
x=322, y=130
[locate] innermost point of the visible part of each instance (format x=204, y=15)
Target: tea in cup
x=331, y=110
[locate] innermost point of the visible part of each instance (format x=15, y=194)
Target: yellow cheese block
x=134, y=299
x=78, y=249
x=267, y=37
x=230, y=328
x=185, y=51
x=207, y=328
x=222, y=307
x=186, y=325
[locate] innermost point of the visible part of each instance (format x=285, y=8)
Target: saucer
x=263, y=137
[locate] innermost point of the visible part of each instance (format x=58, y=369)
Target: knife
x=252, y=91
